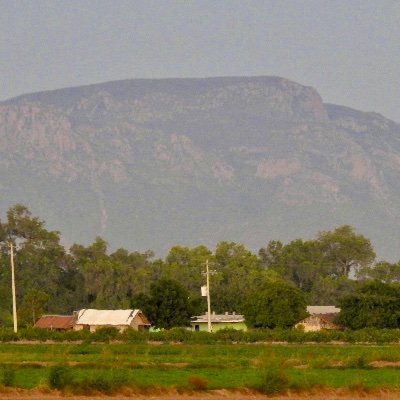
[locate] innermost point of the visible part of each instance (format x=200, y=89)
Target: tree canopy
x=374, y=304
x=168, y=304
x=280, y=278
x=276, y=305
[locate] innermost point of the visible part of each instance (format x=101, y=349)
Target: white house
x=91, y=319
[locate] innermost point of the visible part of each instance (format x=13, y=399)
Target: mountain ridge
x=200, y=160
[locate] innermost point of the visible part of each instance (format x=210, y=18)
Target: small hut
x=55, y=322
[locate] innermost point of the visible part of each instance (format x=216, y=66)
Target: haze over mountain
x=148, y=164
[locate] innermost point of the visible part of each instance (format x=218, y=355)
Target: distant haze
x=348, y=50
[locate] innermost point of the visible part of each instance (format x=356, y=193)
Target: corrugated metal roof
x=215, y=318
x=323, y=310
x=55, y=322
x=89, y=316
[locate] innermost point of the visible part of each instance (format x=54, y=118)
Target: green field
x=107, y=367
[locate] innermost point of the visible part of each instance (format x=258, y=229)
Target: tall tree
x=39, y=258
x=300, y=262
x=327, y=290
x=383, y=271
x=33, y=305
x=238, y=273
x=186, y=266
x=345, y=250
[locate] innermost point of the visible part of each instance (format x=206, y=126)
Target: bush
x=173, y=335
x=105, y=334
x=358, y=362
x=7, y=376
x=273, y=381
x=103, y=383
x=60, y=377
x=132, y=336
x=197, y=383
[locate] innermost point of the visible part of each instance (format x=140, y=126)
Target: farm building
x=55, y=322
x=218, y=322
x=320, y=318
x=91, y=319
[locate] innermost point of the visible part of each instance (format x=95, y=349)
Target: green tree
x=107, y=284
x=345, y=250
x=169, y=304
x=95, y=252
x=299, y=262
x=33, y=305
x=276, y=304
x=238, y=273
x=39, y=258
x=374, y=304
x=185, y=265
x=327, y=290
x=382, y=271
x=270, y=255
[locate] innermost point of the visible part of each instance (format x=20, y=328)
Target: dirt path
x=328, y=394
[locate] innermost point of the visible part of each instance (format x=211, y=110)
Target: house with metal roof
x=218, y=322
x=55, y=322
x=320, y=318
x=91, y=319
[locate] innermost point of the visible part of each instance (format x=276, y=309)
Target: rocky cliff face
x=153, y=163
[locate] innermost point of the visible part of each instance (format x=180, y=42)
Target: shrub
x=132, y=336
x=105, y=334
x=273, y=381
x=197, y=383
x=60, y=377
x=172, y=335
x=7, y=376
x=358, y=362
x=103, y=383
x=8, y=335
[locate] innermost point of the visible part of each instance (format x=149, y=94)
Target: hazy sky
x=348, y=50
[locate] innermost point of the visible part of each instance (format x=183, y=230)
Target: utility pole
x=13, y=287
x=208, y=298
x=206, y=292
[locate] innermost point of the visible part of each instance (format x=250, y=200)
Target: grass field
x=108, y=367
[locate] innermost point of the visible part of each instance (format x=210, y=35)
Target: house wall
x=217, y=326
x=314, y=324
x=140, y=323
x=93, y=328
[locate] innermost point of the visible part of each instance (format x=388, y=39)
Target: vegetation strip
x=110, y=368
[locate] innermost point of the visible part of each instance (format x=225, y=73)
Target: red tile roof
x=55, y=322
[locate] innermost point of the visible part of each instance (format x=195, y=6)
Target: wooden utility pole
x=208, y=298
x=13, y=287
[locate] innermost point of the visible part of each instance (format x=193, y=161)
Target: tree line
x=271, y=288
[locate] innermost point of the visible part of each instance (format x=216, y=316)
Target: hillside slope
x=153, y=163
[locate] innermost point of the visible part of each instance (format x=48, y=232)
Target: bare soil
x=320, y=394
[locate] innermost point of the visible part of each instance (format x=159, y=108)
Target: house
x=55, y=322
x=91, y=319
x=320, y=318
x=218, y=322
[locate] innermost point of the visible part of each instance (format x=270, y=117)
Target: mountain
x=154, y=163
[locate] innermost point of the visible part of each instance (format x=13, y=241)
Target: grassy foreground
x=85, y=368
